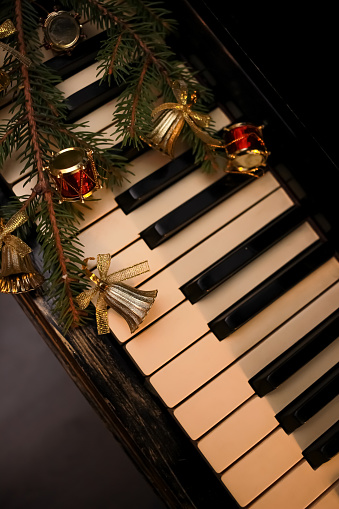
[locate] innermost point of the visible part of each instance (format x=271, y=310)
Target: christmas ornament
x=172, y=118
x=245, y=149
x=10, y=240
x=7, y=28
x=132, y=304
x=62, y=31
x=17, y=273
x=73, y=173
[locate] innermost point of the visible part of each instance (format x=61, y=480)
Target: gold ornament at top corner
x=62, y=31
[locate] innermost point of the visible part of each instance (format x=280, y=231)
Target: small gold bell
x=17, y=273
x=132, y=304
x=167, y=128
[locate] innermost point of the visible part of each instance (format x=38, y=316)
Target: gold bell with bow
x=171, y=118
x=130, y=303
x=17, y=274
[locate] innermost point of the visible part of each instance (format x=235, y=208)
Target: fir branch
x=136, y=97
x=44, y=187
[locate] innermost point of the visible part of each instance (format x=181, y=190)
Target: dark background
x=55, y=453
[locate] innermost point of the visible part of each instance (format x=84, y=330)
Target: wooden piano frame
x=100, y=367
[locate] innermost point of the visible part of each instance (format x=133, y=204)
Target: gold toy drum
x=73, y=173
x=245, y=147
x=62, y=31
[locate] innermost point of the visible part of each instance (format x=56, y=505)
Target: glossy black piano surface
x=259, y=65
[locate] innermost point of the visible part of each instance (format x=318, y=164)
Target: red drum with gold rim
x=73, y=173
x=245, y=147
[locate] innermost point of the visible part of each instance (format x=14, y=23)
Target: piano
x=227, y=394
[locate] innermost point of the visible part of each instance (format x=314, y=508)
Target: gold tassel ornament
x=132, y=304
x=172, y=118
x=17, y=274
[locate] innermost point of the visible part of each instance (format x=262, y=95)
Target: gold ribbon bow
x=194, y=119
x=123, y=298
x=7, y=28
x=5, y=234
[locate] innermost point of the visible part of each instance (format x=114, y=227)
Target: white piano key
x=238, y=433
x=317, y=425
x=213, y=220
x=252, y=421
x=166, y=338
x=206, y=358
x=216, y=400
x=142, y=166
x=261, y=467
x=328, y=499
x=111, y=234
x=253, y=274
x=304, y=483
x=169, y=296
x=169, y=281
x=99, y=119
x=107, y=232
x=78, y=81
x=304, y=377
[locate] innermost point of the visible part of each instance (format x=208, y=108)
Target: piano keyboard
x=245, y=282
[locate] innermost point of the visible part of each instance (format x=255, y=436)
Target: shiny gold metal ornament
x=245, y=149
x=172, y=118
x=62, y=31
x=14, y=222
x=17, y=273
x=132, y=304
x=7, y=28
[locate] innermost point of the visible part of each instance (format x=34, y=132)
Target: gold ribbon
x=194, y=119
x=7, y=28
x=103, y=282
x=5, y=234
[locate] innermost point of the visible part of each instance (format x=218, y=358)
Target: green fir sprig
x=135, y=54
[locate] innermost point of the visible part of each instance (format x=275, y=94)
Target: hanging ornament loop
x=196, y=120
x=132, y=304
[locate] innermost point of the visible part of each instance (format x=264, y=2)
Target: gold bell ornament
x=131, y=303
x=17, y=274
x=171, y=118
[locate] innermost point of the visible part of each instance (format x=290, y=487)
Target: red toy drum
x=74, y=174
x=245, y=147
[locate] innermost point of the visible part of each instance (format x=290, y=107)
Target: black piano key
x=83, y=55
x=309, y=402
x=90, y=98
x=192, y=209
x=295, y=357
x=158, y=181
x=269, y=290
x=324, y=448
x=209, y=279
